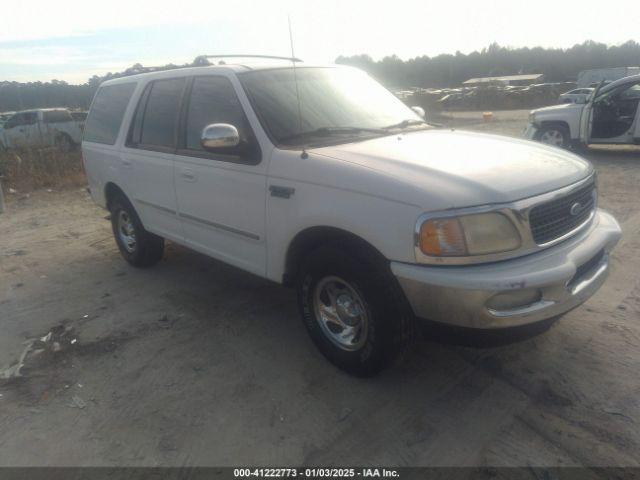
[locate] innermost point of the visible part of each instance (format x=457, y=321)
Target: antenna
x=295, y=80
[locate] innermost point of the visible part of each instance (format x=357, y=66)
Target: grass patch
x=28, y=170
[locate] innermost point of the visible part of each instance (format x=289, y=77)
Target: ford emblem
x=576, y=208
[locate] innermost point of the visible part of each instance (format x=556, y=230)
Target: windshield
x=336, y=102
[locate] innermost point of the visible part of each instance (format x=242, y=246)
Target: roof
x=226, y=67
x=506, y=78
x=33, y=110
x=620, y=81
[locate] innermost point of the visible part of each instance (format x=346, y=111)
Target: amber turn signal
x=442, y=237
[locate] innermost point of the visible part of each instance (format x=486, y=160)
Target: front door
x=21, y=130
x=221, y=196
x=614, y=113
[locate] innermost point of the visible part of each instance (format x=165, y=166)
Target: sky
x=73, y=40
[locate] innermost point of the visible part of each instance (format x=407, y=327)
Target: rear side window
x=107, y=110
x=158, y=125
x=56, y=116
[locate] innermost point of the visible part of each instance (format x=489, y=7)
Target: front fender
x=386, y=225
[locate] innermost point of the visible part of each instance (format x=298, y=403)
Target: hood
x=563, y=107
x=454, y=169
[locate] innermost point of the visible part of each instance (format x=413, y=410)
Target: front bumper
x=495, y=295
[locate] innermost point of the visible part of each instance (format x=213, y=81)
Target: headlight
x=477, y=234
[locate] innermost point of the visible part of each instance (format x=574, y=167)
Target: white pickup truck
x=320, y=178
x=45, y=127
x=609, y=115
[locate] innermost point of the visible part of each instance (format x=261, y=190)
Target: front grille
x=554, y=219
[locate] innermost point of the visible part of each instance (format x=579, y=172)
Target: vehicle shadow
x=482, y=338
x=238, y=289
x=617, y=155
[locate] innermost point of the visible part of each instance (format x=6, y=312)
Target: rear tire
x=138, y=247
x=353, y=309
x=64, y=143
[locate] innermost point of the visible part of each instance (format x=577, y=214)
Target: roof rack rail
x=272, y=57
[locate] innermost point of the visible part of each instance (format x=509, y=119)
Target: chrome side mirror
x=420, y=111
x=219, y=135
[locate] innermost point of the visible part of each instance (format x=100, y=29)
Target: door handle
x=126, y=162
x=188, y=175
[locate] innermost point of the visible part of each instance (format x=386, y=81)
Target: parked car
x=610, y=116
x=45, y=127
x=376, y=217
x=578, y=95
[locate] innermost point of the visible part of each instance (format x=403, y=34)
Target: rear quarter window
x=107, y=111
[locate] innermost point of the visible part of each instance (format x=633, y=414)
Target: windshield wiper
x=405, y=124
x=329, y=131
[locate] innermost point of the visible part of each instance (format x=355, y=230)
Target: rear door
x=148, y=156
x=221, y=197
x=55, y=122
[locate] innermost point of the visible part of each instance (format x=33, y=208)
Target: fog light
x=514, y=299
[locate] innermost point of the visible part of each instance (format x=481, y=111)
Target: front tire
x=138, y=247
x=353, y=309
x=554, y=135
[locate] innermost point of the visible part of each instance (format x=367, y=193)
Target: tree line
x=446, y=70
x=449, y=70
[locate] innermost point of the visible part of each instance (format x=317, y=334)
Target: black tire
x=64, y=143
x=147, y=248
x=390, y=324
x=558, y=132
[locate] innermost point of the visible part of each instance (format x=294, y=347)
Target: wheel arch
x=60, y=135
x=560, y=123
x=314, y=237
x=111, y=190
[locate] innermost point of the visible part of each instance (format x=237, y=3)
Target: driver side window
x=631, y=93
x=212, y=100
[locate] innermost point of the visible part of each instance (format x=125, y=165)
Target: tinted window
x=56, y=116
x=107, y=110
x=632, y=93
x=21, y=119
x=161, y=112
x=213, y=100
x=14, y=121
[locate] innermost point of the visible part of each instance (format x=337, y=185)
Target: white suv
x=318, y=177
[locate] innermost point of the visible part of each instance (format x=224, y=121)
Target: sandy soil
x=196, y=363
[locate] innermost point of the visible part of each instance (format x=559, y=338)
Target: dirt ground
x=196, y=363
